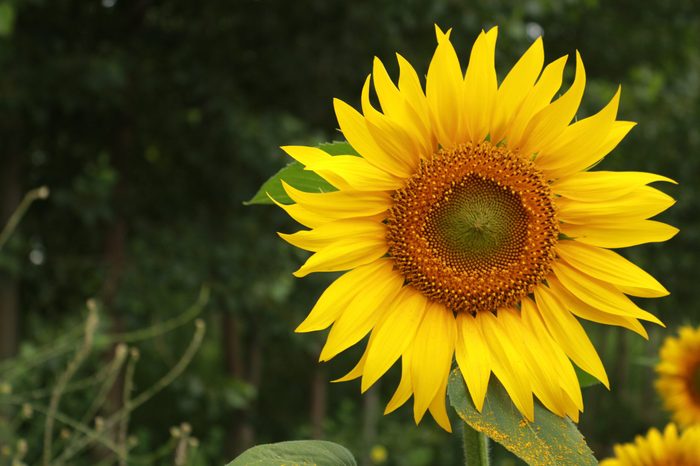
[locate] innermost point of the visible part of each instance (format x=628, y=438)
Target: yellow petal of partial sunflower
x=549, y=123
x=507, y=365
x=579, y=140
x=355, y=372
x=473, y=358
x=345, y=254
x=609, y=235
x=588, y=312
x=344, y=171
x=339, y=231
x=431, y=355
x=354, y=128
x=444, y=92
x=396, y=141
x=568, y=332
x=411, y=89
x=437, y=407
x=338, y=295
x=480, y=86
x=584, y=161
x=561, y=364
x=514, y=88
x=363, y=311
x=405, y=389
x=393, y=334
x=538, y=98
x=398, y=109
x=608, y=266
x=603, y=185
x=544, y=383
x=301, y=214
x=642, y=203
x=599, y=294
x=337, y=205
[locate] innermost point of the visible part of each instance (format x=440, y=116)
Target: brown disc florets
x=474, y=228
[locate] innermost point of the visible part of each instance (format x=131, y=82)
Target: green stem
x=476, y=447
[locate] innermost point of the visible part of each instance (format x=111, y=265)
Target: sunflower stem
x=476, y=447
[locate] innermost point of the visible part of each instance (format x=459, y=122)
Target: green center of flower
x=477, y=225
x=474, y=228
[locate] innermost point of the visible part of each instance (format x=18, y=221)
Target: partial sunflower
x=657, y=449
x=469, y=227
x=678, y=380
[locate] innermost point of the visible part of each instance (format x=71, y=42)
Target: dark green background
x=152, y=122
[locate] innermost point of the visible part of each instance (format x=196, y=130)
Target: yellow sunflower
x=469, y=227
x=679, y=376
x=657, y=449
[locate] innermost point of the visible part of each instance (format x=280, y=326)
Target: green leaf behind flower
x=548, y=440
x=295, y=175
x=300, y=453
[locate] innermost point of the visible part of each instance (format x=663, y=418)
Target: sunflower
x=657, y=449
x=469, y=227
x=679, y=376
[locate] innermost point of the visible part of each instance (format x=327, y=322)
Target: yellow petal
x=507, y=364
x=363, y=311
x=347, y=172
x=577, y=142
x=431, y=355
x=588, y=312
x=569, y=334
x=603, y=185
x=437, y=407
x=344, y=254
x=548, y=124
x=620, y=235
x=393, y=334
x=354, y=128
x=585, y=161
x=338, y=295
x=336, y=232
x=473, y=358
x=301, y=214
x=403, y=145
x=444, y=92
x=640, y=204
x=607, y=266
x=341, y=204
x=411, y=89
x=540, y=96
x=480, y=86
x=405, y=389
x=355, y=372
x=560, y=362
x=515, y=87
x=543, y=379
x=599, y=294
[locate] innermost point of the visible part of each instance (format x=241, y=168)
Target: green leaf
x=298, y=453
x=548, y=440
x=295, y=175
x=585, y=379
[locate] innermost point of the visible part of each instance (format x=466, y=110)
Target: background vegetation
x=152, y=121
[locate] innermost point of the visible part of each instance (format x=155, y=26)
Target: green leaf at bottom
x=298, y=453
x=548, y=440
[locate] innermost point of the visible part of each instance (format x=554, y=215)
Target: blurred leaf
x=302, y=453
x=7, y=19
x=548, y=440
x=585, y=379
x=295, y=175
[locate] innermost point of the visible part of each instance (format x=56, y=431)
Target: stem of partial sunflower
x=476, y=447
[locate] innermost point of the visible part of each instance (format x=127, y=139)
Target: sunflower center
x=695, y=382
x=474, y=228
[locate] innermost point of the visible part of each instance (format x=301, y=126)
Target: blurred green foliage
x=153, y=121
